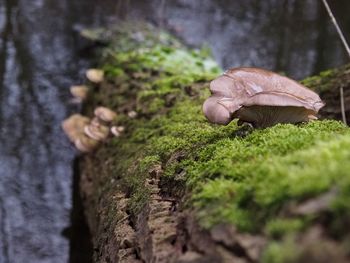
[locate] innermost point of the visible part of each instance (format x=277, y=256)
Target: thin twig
x=342, y=106
x=161, y=13
x=165, y=200
x=341, y=35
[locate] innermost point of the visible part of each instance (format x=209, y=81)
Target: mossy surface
x=247, y=179
x=329, y=79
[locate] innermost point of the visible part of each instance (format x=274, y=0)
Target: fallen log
x=174, y=188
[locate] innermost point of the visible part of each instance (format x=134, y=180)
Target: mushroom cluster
x=87, y=134
x=260, y=98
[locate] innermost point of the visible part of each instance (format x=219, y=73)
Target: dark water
x=41, y=55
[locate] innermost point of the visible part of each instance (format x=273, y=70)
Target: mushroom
x=132, y=114
x=79, y=92
x=104, y=115
x=95, y=75
x=95, y=122
x=117, y=130
x=98, y=133
x=73, y=126
x=259, y=97
x=86, y=134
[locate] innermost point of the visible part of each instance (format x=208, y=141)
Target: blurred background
x=41, y=55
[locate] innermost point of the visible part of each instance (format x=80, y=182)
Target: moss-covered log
x=328, y=84
x=174, y=188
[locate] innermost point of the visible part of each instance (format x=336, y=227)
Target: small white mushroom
x=79, y=92
x=95, y=75
x=98, y=133
x=117, y=130
x=105, y=115
x=132, y=114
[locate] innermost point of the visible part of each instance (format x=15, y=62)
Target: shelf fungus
x=259, y=97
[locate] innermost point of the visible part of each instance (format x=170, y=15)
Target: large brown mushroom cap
x=263, y=94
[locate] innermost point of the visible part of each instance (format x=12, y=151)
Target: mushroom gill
x=265, y=116
x=98, y=133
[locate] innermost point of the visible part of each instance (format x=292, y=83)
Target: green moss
x=328, y=80
x=269, y=169
x=157, y=75
x=281, y=252
x=280, y=227
x=155, y=105
x=164, y=59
